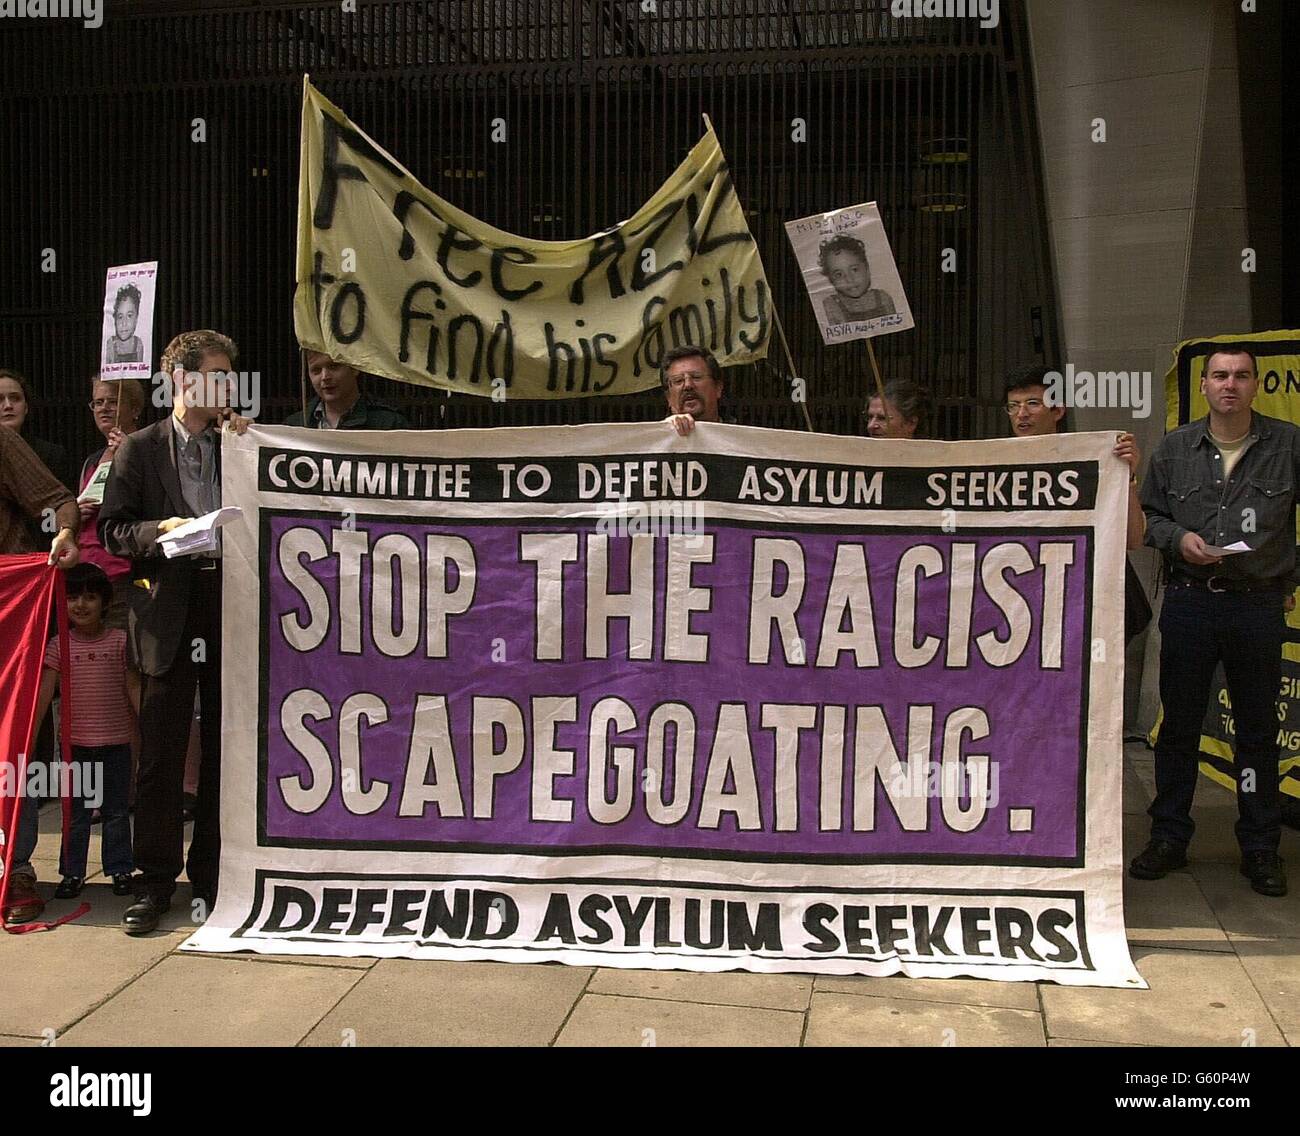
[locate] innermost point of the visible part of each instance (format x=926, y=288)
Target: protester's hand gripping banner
x=399, y=282
x=1278, y=355
x=747, y=699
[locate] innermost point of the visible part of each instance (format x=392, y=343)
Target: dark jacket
x=366, y=414
x=55, y=458
x=1185, y=491
x=144, y=488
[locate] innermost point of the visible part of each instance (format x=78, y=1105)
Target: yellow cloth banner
x=398, y=282
x=1278, y=354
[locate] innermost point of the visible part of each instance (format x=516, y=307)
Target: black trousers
x=1244, y=631
x=166, y=708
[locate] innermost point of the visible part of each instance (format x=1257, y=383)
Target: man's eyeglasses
x=102, y=403
x=679, y=380
x=1030, y=404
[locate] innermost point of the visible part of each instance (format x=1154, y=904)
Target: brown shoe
x=25, y=903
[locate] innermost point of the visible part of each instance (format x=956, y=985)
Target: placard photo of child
x=844, y=261
x=124, y=346
x=849, y=271
x=128, y=322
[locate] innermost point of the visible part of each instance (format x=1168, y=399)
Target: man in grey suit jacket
x=162, y=476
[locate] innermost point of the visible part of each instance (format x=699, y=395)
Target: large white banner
x=748, y=699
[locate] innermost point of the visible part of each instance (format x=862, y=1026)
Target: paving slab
x=106, y=910
x=426, y=1002
x=52, y=978
x=966, y=991
x=850, y=1019
x=1196, y=998
x=285, y=960
x=1136, y=832
x=1075, y=1043
x=1173, y=913
x=1140, y=762
x=731, y=988
x=1136, y=798
x=1215, y=815
x=610, y=1020
x=193, y=1000
x=1274, y=968
x=1240, y=910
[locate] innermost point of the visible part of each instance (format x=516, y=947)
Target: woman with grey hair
x=117, y=408
x=904, y=413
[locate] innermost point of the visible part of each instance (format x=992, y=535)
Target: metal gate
x=818, y=104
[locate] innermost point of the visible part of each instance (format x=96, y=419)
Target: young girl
x=844, y=261
x=125, y=346
x=105, y=701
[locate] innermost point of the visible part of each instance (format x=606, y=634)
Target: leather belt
x=1220, y=584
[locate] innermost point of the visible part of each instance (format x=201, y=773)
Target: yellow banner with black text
x=399, y=282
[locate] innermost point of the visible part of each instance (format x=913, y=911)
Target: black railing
x=932, y=118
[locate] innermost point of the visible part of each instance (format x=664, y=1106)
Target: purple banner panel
x=798, y=693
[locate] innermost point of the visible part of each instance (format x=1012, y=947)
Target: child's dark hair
x=89, y=578
x=127, y=292
x=842, y=243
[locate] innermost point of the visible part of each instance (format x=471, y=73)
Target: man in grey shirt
x=1229, y=477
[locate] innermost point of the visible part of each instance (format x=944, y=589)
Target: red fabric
x=28, y=586
x=49, y=924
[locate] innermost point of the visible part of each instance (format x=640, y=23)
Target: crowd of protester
x=134, y=614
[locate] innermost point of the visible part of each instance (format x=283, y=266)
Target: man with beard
x=693, y=385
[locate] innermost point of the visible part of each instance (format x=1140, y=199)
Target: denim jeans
x=114, y=775
x=1244, y=631
x=114, y=770
x=29, y=828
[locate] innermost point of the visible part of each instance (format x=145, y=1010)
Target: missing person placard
x=849, y=271
x=127, y=328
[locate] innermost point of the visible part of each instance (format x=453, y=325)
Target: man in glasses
x=1031, y=416
x=693, y=385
